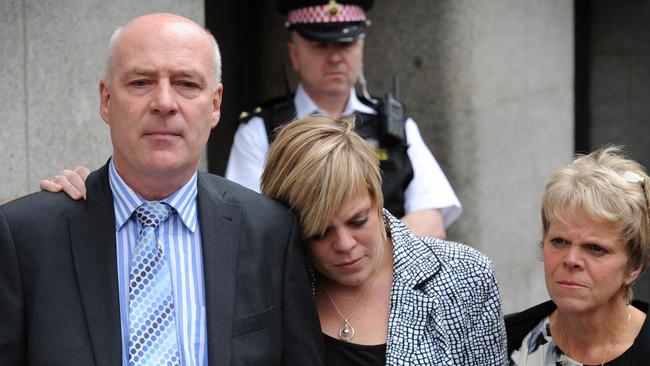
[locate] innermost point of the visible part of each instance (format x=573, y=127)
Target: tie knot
x=151, y=214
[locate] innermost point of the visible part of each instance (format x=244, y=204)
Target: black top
x=518, y=325
x=342, y=353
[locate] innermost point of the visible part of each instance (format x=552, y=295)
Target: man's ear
x=216, y=106
x=104, y=100
x=293, y=55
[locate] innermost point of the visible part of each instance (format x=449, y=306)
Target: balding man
x=160, y=265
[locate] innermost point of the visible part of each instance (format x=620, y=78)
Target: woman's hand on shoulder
x=72, y=182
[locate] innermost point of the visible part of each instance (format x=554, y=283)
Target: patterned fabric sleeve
x=487, y=339
x=445, y=304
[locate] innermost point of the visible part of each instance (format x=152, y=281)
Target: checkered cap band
x=320, y=14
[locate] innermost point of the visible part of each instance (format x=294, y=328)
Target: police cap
x=326, y=21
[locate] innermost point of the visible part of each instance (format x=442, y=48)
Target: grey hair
x=108, y=69
x=216, y=57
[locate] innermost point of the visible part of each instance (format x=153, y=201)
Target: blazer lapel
x=220, y=232
x=92, y=236
x=412, y=309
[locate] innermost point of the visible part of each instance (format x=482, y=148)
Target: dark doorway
x=613, y=82
x=235, y=24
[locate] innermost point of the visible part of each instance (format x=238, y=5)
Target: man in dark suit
x=225, y=263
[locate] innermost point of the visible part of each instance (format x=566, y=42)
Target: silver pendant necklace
x=347, y=332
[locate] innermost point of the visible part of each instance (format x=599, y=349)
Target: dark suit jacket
x=59, y=302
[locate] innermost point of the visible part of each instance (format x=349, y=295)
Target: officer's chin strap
x=364, y=86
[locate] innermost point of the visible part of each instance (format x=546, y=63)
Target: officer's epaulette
x=268, y=107
x=373, y=102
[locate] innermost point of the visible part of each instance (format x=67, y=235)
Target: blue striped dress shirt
x=180, y=236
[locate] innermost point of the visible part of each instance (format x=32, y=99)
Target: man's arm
x=12, y=316
x=429, y=188
x=248, y=154
x=302, y=342
x=425, y=223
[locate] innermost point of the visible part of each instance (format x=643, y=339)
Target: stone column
x=13, y=130
x=491, y=86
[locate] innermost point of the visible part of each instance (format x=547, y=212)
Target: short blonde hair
x=609, y=186
x=314, y=164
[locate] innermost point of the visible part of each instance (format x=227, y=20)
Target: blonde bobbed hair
x=605, y=185
x=317, y=162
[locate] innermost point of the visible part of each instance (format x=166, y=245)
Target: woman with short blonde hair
x=384, y=296
x=596, y=242
x=324, y=157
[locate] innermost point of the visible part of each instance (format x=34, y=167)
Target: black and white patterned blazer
x=445, y=307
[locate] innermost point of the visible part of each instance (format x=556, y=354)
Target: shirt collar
x=125, y=200
x=306, y=106
x=414, y=261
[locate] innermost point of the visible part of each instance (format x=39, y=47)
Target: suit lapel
x=220, y=232
x=92, y=236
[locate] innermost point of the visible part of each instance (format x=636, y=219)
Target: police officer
x=326, y=51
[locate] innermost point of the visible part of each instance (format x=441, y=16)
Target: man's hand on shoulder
x=72, y=182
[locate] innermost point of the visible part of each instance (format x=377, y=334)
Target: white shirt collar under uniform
x=306, y=106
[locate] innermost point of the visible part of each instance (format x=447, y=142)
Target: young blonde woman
x=384, y=296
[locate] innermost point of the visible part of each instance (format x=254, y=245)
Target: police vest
x=395, y=165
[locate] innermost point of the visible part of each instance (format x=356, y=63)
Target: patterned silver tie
x=152, y=329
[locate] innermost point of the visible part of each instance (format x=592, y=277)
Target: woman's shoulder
x=452, y=253
x=445, y=268
x=535, y=313
x=640, y=350
x=428, y=255
x=518, y=325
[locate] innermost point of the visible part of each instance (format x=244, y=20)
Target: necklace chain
x=609, y=348
x=346, y=333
